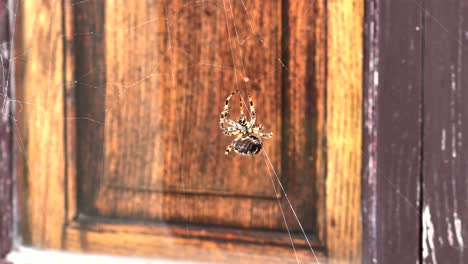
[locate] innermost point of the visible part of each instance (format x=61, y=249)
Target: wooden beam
x=344, y=129
x=42, y=86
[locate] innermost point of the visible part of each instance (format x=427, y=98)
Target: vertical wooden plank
x=392, y=132
x=88, y=39
x=43, y=85
x=71, y=118
x=343, y=129
x=304, y=108
x=445, y=181
x=6, y=175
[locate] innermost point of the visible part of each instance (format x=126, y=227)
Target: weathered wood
x=343, y=130
x=392, y=137
x=445, y=182
x=6, y=172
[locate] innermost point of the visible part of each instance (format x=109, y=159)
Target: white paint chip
x=428, y=236
x=444, y=139
x=449, y=231
x=376, y=78
x=458, y=230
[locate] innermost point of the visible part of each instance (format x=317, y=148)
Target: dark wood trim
x=445, y=182
x=392, y=131
x=6, y=179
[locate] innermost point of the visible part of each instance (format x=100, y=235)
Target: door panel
x=160, y=154
x=168, y=76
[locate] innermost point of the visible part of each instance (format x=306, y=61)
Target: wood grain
x=6, y=169
x=304, y=107
x=393, y=132
x=166, y=166
x=445, y=207
x=163, y=73
x=343, y=130
x=142, y=101
x=87, y=101
x=250, y=236
x=44, y=122
x=101, y=238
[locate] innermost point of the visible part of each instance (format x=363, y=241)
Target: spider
x=248, y=133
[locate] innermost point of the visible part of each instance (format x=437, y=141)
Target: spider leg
x=228, y=149
x=231, y=122
x=230, y=131
x=240, y=105
x=252, y=111
x=266, y=135
x=225, y=113
x=257, y=130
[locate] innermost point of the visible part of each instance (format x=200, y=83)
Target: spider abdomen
x=249, y=145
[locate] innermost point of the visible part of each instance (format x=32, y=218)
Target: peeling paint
x=454, y=141
x=376, y=78
x=449, y=231
x=441, y=241
x=428, y=236
x=458, y=230
x=444, y=138
x=453, y=111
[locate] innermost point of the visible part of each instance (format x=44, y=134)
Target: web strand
x=290, y=205
x=264, y=152
x=282, y=211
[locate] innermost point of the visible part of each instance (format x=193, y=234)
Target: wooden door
x=120, y=136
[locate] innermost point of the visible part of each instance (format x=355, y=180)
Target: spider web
x=115, y=101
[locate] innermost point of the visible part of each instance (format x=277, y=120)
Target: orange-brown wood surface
x=118, y=241
x=343, y=130
x=304, y=111
x=120, y=127
x=168, y=71
x=41, y=140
